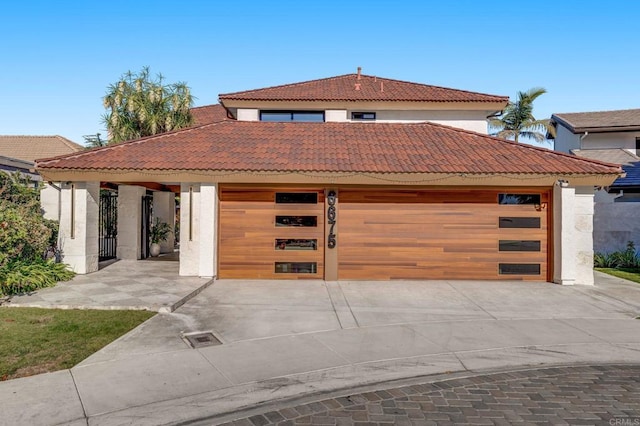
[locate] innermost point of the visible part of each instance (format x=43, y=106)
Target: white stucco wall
x=78, y=237
x=129, y=221
x=566, y=141
x=475, y=121
x=50, y=201
x=336, y=115
x=614, y=223
x=573, y=235
x=246, y=114
x=624, y=140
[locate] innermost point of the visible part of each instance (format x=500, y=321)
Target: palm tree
x=139, y=106
x=517, y=119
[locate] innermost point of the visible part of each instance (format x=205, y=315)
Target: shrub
x=618, y=259
x=605, y=260
x=629, y=257
x=23, y=234
x=22, y=277
x=25, y=237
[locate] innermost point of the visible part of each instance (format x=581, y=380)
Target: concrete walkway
x=283, y=340
x=152, y=285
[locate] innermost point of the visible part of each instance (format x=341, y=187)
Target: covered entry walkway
x=143, y=285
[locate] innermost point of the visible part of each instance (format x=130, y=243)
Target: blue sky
x=59, y=57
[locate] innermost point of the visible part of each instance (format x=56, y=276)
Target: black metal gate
x=107, y=225
x=147, y=203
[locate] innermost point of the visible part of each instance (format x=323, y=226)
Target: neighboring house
x=24, y=168
x=349, y=177
x=612, y=137
x=21, y=152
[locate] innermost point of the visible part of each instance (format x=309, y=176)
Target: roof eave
x=606, y=129
x=330, y=178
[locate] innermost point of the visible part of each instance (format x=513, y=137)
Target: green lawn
x=627, y=274
x=34, y=341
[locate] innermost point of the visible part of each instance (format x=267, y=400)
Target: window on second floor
x=364, y=116
x=300, y=116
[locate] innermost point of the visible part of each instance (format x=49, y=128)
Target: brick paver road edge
x=595, y=394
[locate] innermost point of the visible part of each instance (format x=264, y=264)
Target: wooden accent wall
x=395, y=234
x=248, y=232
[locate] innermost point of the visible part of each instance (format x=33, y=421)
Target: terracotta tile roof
x=367, y=88
x=208, y=114
x=328, y=147
x=30, y=148
x=599, y=121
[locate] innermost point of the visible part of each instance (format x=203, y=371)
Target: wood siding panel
x=433, y=235
x=248, y=232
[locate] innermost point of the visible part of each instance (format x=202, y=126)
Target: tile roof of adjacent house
x=630, y=164
x=366, y=88
x=30, y=148
x=328, y=147
x=608, y=155
x=25, y=168
x=208, y=114
x=599, y=121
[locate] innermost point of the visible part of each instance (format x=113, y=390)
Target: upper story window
x=363, y=115
x=299, y=116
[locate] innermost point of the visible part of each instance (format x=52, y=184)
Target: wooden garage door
x=443, y=234
x=268, y=233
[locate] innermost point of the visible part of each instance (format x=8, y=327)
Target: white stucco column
x=208, y=229
x=79, y=225
x=198, y=229
x=584, y=209
x=189, y=229
x=573, y=235
x=50, y=202
x=129, y=221
x=164, y=208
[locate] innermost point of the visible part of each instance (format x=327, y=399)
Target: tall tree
x=517, y=119
x=139, y=105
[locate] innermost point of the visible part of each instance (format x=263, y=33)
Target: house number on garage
x=331, y=219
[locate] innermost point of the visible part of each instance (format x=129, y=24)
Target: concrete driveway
x=282, y=339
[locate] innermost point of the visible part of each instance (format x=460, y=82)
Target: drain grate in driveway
x=201, y=339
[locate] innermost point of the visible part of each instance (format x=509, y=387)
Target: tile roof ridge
x=354, y=75
x=206, y=106
x=279, y=86
x=91, y=151
x=595, y=112
x=435, y=86
x=29, y=136
x=526, y=146
x=69, y=143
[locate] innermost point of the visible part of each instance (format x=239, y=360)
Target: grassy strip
x=626, y=273
x=34, y=340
